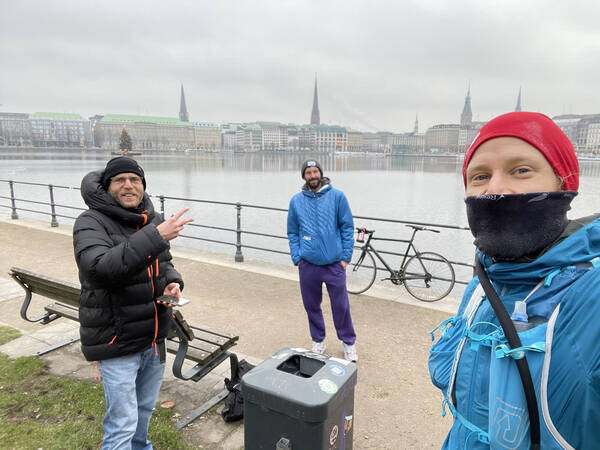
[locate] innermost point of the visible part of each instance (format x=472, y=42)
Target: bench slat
x=63, y=310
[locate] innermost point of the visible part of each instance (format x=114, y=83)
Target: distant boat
x=120, y=153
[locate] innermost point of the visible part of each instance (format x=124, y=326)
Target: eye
x=479, y=177
x=522, y=170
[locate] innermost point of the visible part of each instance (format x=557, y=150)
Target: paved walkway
x=395, y=406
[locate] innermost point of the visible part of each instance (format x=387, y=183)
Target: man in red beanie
x=519, y=365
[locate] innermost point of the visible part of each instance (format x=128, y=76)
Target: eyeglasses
x=136, y=181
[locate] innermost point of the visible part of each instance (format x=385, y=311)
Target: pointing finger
x=180, y=213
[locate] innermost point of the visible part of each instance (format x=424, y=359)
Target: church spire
x=518, y=107
x=467, y=115
x=183, y=114
x=315, y=117
x=416, y=129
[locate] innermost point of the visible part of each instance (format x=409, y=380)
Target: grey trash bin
x=299, y=400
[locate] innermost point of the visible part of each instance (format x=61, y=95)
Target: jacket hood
x=580, y=247
x=96, y=197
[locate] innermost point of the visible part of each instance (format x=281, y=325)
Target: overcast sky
x=379, y=63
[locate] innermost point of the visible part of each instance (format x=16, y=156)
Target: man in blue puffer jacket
x=320, y=230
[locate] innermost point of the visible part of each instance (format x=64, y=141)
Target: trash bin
x=299, y=400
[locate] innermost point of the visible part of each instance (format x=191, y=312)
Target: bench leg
x=44, y=318
x=57, y=346
x=189, y=418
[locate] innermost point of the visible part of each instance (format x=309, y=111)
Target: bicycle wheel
x=428, y=276
x=360, y=273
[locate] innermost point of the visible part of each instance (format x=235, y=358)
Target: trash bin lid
x=306, y=397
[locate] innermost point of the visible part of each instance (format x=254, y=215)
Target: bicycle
x=426, y=276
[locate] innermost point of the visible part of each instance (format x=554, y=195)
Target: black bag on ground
x=234, y=402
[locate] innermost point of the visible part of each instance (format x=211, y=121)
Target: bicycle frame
x=396, y=276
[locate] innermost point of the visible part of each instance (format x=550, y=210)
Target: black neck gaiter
x=510, y=226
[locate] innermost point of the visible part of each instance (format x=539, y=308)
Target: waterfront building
x=228, y=139
x=330, y=138
x=293, y=138
x=248, y=138
x=147, y=132
x=307, y=137
x=15, y=129
x=369, y=142
x=274, y=136
x=315, y=115
x=59, y=130
x=207, y=136
x=354, y=138
x=413, y=142
x=442, y=137
x=569, y=124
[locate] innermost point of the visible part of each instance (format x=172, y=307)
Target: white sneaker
x=350, y=352
x=318, y=347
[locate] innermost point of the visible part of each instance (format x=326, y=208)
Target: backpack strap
x=514, y=342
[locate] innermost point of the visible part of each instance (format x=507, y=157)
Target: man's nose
x=498, y=184
x=128, y=183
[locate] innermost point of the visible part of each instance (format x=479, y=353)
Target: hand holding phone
x=171, y=300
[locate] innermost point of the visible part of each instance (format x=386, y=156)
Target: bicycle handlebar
x=420, y=228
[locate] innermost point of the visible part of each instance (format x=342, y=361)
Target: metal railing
x=238, y=231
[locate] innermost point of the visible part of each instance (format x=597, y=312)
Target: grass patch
x=38, y=410
x=7, y=334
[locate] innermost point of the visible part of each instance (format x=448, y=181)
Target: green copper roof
x=330, y=128
x=55, y=116
x=126, y=118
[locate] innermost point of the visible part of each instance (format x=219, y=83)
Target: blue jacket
x=320, y=227
x=471, y=359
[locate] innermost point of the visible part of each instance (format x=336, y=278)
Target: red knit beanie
x=538, y=130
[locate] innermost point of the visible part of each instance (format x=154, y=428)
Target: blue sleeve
x=346, y=226
x=293, y=232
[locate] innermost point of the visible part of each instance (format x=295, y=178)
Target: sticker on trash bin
x=333, y=435
x=347, y=424
x=336, y=370
x=328, y=386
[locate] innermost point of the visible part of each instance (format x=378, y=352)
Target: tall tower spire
x=518, y=107
x=183, y=114
x=416, y=129
x=315, y=117
x=467, y=115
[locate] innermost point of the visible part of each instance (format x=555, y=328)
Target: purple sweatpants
x=333, y=275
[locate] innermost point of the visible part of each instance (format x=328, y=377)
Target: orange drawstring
x=96, y=371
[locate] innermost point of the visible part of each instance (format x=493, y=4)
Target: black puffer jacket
x=124, y=264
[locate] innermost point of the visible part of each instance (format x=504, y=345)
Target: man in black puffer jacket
x=122, y=252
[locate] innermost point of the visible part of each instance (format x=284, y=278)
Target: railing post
x=238, y=245
x=14, y=214
x=161, y=199
x=53, y=222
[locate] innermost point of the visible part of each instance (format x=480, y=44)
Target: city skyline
x=378, y=64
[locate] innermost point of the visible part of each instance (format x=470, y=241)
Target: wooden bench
x=205, y=347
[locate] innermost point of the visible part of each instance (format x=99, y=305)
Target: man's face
x=508, y=165
x=127, y=189
x=312, y=176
